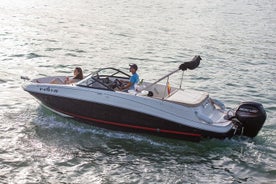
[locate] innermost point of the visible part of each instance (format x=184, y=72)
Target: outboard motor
x=252, y=117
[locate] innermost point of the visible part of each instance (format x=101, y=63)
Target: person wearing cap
x=134, y=79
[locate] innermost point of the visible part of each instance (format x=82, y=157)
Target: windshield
x=111, y=72
x=103, y=79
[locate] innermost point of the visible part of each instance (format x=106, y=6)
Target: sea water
x=236, y=40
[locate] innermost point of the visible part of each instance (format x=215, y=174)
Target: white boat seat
x=188, y=97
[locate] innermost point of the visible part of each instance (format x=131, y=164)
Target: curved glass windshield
x=111, y=72
x=104, y=79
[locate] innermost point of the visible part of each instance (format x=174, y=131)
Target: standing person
x=134, y=79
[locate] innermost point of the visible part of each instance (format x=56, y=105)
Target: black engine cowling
x=252, y=116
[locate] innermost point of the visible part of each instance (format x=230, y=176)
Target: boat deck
x=188, y=97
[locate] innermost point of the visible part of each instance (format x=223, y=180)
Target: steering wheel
x=117, y=84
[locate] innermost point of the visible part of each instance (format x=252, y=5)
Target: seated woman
x=78, y=75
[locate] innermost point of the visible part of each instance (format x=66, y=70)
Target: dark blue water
x=236, y=40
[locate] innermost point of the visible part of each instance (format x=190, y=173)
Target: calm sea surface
x=236, y=39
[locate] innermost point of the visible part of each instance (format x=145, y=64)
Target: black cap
x=134, y=66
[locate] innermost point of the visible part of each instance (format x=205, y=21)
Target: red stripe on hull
x=132, y=126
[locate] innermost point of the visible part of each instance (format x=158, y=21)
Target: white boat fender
x=145, y=93
x=218, y=103
x=203, y=117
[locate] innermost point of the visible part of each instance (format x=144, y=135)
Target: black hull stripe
x=130, y=126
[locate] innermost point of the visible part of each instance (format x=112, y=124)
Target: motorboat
x=152, y=107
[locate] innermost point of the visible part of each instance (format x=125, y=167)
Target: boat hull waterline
x=113, y=118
